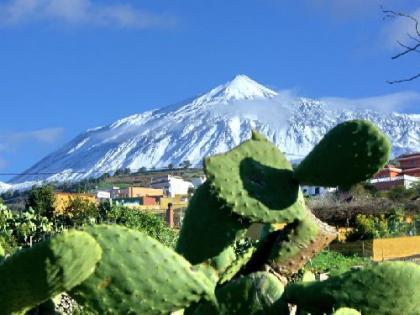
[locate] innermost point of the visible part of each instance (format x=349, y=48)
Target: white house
x=103, y=194
x=197, y=181
x=172, y=185
x=312, y=191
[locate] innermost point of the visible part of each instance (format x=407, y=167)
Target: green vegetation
x=42, y=199
x=335, y=263
x=25, y=228
x=394, y=224
x=214, y=272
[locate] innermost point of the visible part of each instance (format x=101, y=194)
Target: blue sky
x=66, y=66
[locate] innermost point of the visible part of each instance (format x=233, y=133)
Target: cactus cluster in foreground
x=115, y=270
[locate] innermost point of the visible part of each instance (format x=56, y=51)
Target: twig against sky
x=412, y=46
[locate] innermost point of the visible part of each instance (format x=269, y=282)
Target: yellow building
x=135, y=192
x=178, y=202
x=62, y=200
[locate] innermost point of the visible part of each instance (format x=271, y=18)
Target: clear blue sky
x=66, y=66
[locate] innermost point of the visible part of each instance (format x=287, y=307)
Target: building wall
x=62, y=200
x=413, y=172
x=393, y=248
x=135, y=192
x=148, y=201
x=388, y=172
x=409, y=161
x=172, y=185
x=388, y=184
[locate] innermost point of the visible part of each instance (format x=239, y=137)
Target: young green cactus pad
x=257, y=182
x=346, y=311
x=256, y=293
x=298, y=242
x=139, y=275
x=387, y=288
x=208, y=228
x=34, y=275
x=349, y=153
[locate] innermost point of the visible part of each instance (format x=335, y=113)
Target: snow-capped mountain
x=211, y=123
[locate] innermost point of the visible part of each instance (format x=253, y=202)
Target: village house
x=405, y=174
x=172, y=185
x=136, y=192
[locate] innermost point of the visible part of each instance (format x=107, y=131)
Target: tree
x=412, y=43
x=185, y=164
x=80, y=211
x=170, y=166
x=42, y=200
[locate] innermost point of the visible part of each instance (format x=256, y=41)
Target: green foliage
x=399, y=193
x=42, y=199
x=80, y=212
x=335, y=263
x=142, y=221
x=393, y=225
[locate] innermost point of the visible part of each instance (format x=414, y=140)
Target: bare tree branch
x=392, y=14
x=407, y=48
x=404, y=80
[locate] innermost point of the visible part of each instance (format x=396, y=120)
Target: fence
x=382, y=249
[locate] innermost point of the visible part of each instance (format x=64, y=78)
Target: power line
x=18, y=174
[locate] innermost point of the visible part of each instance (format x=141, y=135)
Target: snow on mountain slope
x=212, y=123
x=4, y=186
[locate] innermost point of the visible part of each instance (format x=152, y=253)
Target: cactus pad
x=349, y=153
x=387, y=288
x=256, y=293
x=139, y=275
x=208, y=228
x=34, y=275
x=256, y=181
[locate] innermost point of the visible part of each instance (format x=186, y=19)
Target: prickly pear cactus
x=388, y=288
x=139, y=275
x=115, y=270
x=34, y=275
x=349, y=153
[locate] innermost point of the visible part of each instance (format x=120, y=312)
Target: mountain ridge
x=211, y=123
